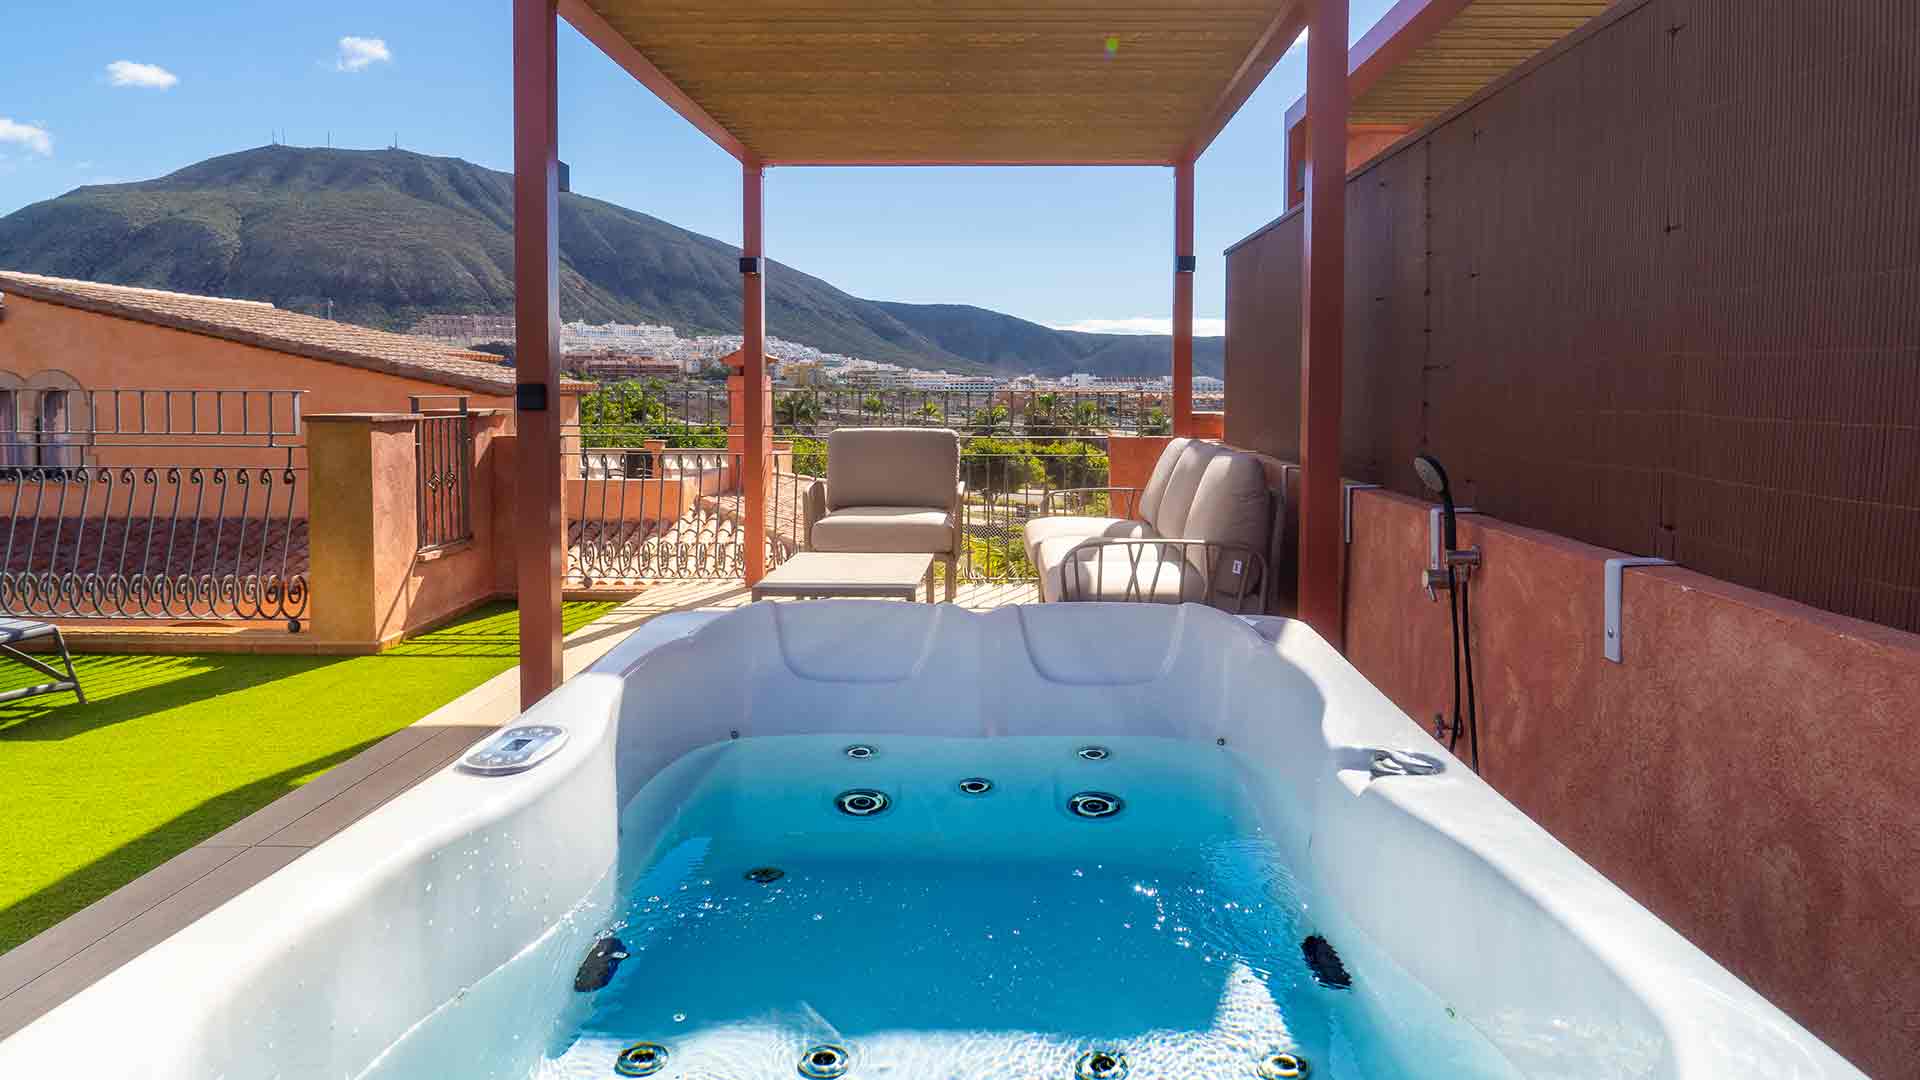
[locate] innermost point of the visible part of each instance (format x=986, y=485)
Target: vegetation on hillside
x=389, y=236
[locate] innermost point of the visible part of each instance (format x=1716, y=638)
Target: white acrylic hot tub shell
x=318, y=969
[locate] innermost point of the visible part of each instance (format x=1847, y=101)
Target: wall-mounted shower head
x=1435, y=478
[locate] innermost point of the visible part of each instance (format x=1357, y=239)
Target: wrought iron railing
x=153, y=505
x=1008, y=482
x=686, y=406
x=443, y=468
x=1048, y=414
x=55, y=426
x=646, y=510
x=636, y=510
x=163, y=541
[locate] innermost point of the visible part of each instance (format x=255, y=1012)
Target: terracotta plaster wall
x=371, y=584
x=1739, y=773
x=1130, y=461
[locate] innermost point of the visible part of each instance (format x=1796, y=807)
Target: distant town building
x=615, y=366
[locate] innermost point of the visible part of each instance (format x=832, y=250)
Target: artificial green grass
x=170, y=750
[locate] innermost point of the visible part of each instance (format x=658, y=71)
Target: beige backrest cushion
x=1156, y=488
x=1231, y=506
x=1176, y=502
x=892, y=467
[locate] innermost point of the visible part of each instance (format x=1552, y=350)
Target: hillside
x=389, y=236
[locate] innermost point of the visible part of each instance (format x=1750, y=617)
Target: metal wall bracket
x=1615, y=567
x=1436, y=537
x=1346, y=522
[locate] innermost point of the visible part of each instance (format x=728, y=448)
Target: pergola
x=913, y=82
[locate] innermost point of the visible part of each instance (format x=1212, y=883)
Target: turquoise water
x=956, y=936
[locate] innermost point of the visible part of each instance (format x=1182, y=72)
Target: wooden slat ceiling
x=1487, y=39
x=912, y=81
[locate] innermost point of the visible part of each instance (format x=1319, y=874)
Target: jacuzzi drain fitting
x=975, y=785
x=824, y=1062
x=641, y=1059
x=1101, y=1065
x=1094, y=804
x=1094, y=753
x=1281, y=1065
x=860, y=751
x=862, y=802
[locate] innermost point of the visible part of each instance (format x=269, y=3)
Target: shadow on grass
x=123, y=688
x=39, y=910
x=127, y=687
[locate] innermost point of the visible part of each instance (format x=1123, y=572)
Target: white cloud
x=144, y=76
x=357, y=53
x=36, y=139
x=1146, y=324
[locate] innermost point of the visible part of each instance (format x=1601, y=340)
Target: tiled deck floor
x=47, y=970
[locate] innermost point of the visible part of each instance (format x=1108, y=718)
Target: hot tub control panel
x=516, y=749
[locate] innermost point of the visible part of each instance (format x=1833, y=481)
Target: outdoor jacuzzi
x=866, y=839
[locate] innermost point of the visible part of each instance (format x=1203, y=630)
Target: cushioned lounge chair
x=890, y=490
x=1202, y=531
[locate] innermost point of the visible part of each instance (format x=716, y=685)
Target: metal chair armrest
x=816, y=509
x=1212, y=558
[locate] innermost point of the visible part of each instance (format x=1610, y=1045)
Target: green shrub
x=994, y=466
x=998, y=560
x=810, y=457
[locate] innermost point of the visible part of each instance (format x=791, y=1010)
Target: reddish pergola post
x=1183, y=267
x=753, y=369
x=536, y=311
x=1322, y=317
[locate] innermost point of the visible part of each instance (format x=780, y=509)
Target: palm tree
x=992, y=420
x=872, y=405
x=799, y=411
x=931, y=412
x=1086, y=416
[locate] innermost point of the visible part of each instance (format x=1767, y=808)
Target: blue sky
x=118, y=91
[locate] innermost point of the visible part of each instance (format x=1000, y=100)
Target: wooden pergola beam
x=618, y=49
x=1279, y=36
x=1323, y=315
x=539, y=550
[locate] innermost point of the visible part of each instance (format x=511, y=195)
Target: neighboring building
x=959, y=383
x=60, y=338
x=614, y=367
x=803, y=373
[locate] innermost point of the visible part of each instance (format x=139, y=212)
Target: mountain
x=389, y=236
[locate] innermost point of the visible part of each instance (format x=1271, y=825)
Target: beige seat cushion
x=1116, y=574
x=892, y=467
x=885, y=528
x=1039, y=530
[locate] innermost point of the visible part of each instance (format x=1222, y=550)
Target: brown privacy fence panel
x=1659, y=291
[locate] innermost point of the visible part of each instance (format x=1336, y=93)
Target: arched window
x=61, y=422
x=16, y=451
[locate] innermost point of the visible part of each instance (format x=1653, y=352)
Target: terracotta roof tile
x=259, y=323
